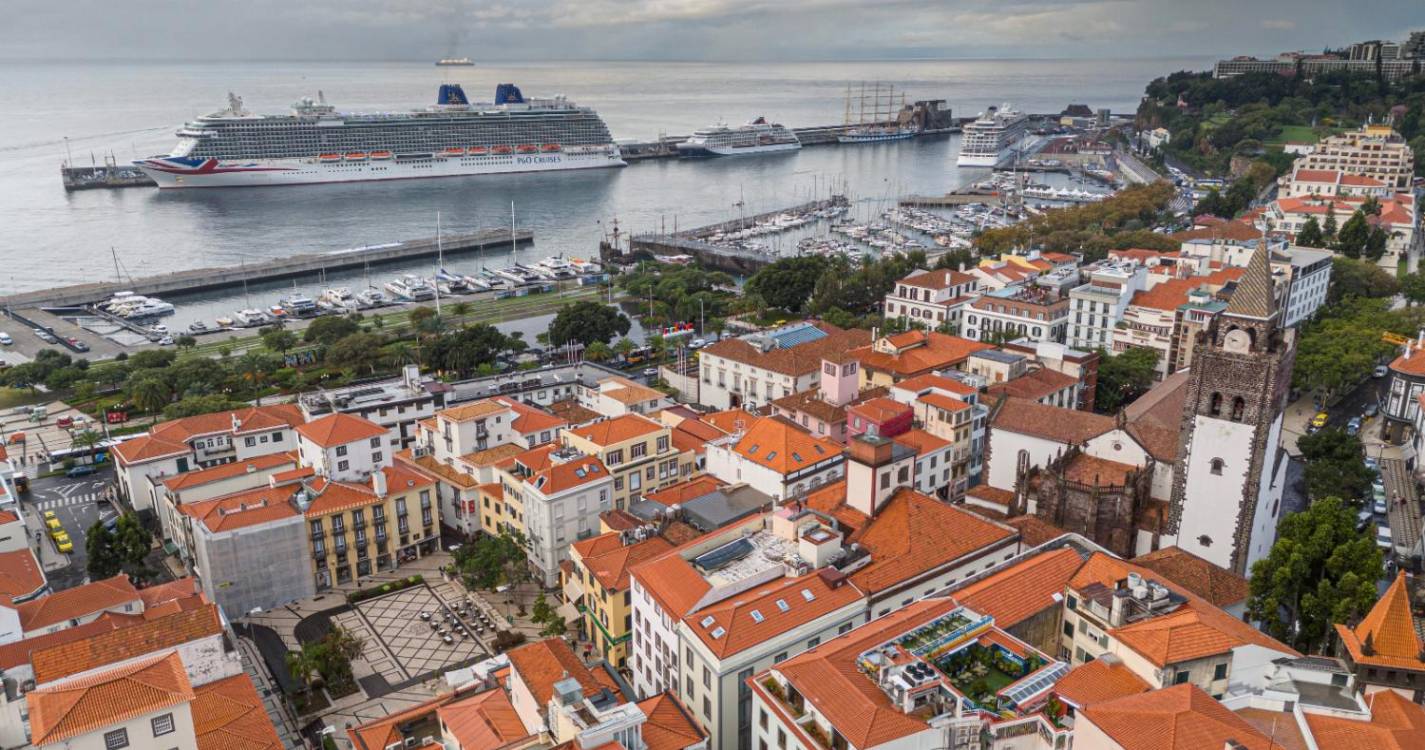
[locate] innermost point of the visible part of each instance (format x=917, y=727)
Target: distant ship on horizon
x=454, y=61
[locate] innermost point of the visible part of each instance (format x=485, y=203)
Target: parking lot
x=78, y=504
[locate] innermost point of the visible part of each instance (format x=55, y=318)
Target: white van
x=1383, y=538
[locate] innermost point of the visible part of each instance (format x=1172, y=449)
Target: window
x=249, y=443
x=707, y=677
x=1181, y=677
x=1215, y=408
x=1068, y=628
x=341, y=450
x=781, y=739
x=116, y=739
x=276, y=437
x=762, y=719
x=637, y=450
x=376, y=457
x=376, y=442
x=812, y=642
x=779, y=658
x=707, y=707
x=688, y=686
x=342, y=465
x=1217, y=466
x=844, y=629
x=162, y=724
x=1238, y=407
x=1220, y=671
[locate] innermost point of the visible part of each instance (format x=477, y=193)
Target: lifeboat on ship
x=477, y=151
x=356, y=156
x=330, y=157
x=550, y=148
x=453, y=152
x=526, y=148
x=501, y=150
x=380, y=155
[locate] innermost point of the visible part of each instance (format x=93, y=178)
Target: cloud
x=1279, y=24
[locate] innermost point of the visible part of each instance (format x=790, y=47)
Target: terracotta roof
x=669, y=725
x=880, y=410
x=429, y=465
x=802, y=359
x=1391, y=625
x=1173, y=293
x=610, y=563
x=1034, y=530
x=939, y=351
x=487, y=407
x=685, y=442
x=617, y=429
x=241, y=510
x=1412, y=365
x=617, y=520
x=913, y=534
x=76, y=603
x=733, y=628
x=228, y=715
x=543, y=663
x=1232, y=230
x=8, y=516
x=65, y=659
x=1019, y=591
x=672, y=581
x=1219, y=586
x=810, y=402
x=20, y=573
x=1396, y=724
x=1052, y=422
x=483, y=720
x=493, y=456
x=168, y=438
x=103, y=700
x=571, y=412
x=920, y=441
x=947, y=403
x=167, y=592
x=568, y=475
x=220, y=472
x=729, y=420
x=16, y=653
x=995, y=495
x=931, y=380
x=148, y=448
x=1182, y=717
x=333, y=496
x=682, y=492
x=938, y=279
x=1139, y=254
x=1099, y=472
x=340, y=429
x=1102, y=679
x=1035, y=384
x=783, y=447
x=831, y=499
x=529, y=419
x=632, y=393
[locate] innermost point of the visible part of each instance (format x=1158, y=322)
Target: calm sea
x=48, y=237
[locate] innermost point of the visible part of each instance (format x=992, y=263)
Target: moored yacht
x=410, y=287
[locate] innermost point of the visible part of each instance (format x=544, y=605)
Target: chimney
x=378, y=482
x=237, y=423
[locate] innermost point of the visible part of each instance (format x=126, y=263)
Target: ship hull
x=981, y=160
x=874, y=138
x=697, y=151
x=171, y=173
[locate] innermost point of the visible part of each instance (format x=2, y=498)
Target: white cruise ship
x=315, y=143
x=992, y=137
x=756, y=137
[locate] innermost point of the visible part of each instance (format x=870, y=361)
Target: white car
x=5, y=339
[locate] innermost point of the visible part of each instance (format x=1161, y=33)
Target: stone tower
x=1227, y=484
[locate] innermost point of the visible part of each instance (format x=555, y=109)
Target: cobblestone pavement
x=271, y=694
x=400, y=643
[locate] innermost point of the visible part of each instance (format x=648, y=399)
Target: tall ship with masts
x=315, y=143
x=877, y=116
x=992, y=137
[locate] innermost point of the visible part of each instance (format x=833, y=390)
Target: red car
x=64, y=423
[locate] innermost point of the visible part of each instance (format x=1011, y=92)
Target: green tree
x=624, y=347
x=1351, y=240
x=150, y=392
x=1341, y=347
x=101, y=552
x=555, y=626
x=1412, y=287
x=254, y=368
x=186, y=342
x=86, y=440
x=461, y=310
x=119, y=551
x=586, y=322
x=422, y=319
x=192, y=406
x=1376, y=241
x=1333, y=465
x=1359, y=279
x=1320, y=571
x=541, y=612
x=1329, y=229
x=279, y=340
x=329, y=329
x=1310, y=234
x=598, y=352
x=355, y=353
x=788, y=283
x=464, y=351
x=492, y=560
x=1123, y=377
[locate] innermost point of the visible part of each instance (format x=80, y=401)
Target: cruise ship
x=992, y=137
x=756, y=137
x=316, y=144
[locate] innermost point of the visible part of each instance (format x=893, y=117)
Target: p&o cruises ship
x=315, y=143
x=992, y=137
x=756, y=137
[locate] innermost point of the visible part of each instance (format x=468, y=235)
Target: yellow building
x=356, y=528
x=596, y=582
x=638, y=452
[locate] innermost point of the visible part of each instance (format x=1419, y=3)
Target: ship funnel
x=508, y=93
x=451, y=93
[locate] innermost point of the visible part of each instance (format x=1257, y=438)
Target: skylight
x=782, y=605
x=757, y=616
x=718, y=633
x=707, y=621
x=796, y=457
x=819, y=449
x=754, y=448
x=808, y=595
x=771, y=455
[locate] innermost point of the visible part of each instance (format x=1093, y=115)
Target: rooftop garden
x=979, y=672
x=926, y=635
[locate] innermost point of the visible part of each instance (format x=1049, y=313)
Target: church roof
x=1255, y=295
x=1391, y=627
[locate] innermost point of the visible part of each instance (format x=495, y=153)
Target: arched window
x=1216, y=406
x=1023, y=463
x=1239, y=405
x=1217, y=464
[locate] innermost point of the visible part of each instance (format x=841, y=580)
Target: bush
x=507, y=639
x=385, y=588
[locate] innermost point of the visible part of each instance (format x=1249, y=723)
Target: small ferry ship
x=756, y=137
x=316, y=144
x=992, y=137
x=454, y=62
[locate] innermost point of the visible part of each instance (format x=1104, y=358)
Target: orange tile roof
x=734, y=629
x=1102, y=679
x=568, y=475
x=66, y=659
x=542, y=663
x=783, y=447
x=483, y=720
x=1052, y=422
x=1182, y=717
x=488, y=407
x=220, y=472
x=171, y=437
x=1034, y=530
x=729, y=420
x=340, y=429
x=671, y=581
x=1000, y=497
x=609, y=560
x=292, y=475
x=1173, y=293
x=618, y=429
x=241, y=510
x=1316, y=175
x=669, y=725
x=913, y=534
x=1218, y=586
x=920, y=441
x=1391, y=626
x=939, y=352
x=537, y=458
x=1017, y=592
x=946, y=403
x=938, y=279
x=802, y=359
x=228, y=715
x=1396, y=724
x=682, y=492
x=103, y=700
x=76, y=603
x=1412, y=365
x=20, y=573
x=1035, y=384
x=167, y=592
x=493, y=456
x=931, y=380
x=8, y=516
x=148, y=448
x=1239, y=230
x=530, y=419
x=572, y=412
x=429, y=466
x=16, y=653
x=880, y=409
x=1100, y=472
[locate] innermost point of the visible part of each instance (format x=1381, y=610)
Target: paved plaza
x=399, y=645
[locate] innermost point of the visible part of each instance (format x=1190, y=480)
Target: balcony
x=320, y=555
x=318, y=535
x=359, y=524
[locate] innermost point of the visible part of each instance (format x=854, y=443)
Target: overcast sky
x=687, y=29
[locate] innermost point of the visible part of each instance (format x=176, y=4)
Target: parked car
x=1380, y=507
x=5, y=339
x=1383, y=538
x=1372, y=464
x=1353, y=427
x=45, y=336
x=51, y=521
x=1380, y=371
x=1372, y=409
x=1364, y=519
x=64, y=423
x=82, y=470
x=63, y=544
x=55, y=532
x=1320, y=419
x=78, y=345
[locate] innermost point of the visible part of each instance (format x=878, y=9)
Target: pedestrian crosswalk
x=81, y=498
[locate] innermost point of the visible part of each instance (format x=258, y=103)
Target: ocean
x=90, y=111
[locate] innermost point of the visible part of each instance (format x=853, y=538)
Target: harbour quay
x=205, y=279
x=697, y=244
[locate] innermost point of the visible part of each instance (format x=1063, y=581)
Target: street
x=78, y=504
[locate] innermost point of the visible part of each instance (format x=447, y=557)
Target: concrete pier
x=694, y=242
x=203, y=279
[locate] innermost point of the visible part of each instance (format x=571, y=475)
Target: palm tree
x=253, y=367
x=598, y=352
x=403, y=354
x=150, y=393
x=86, y=440
x=460, y=310
x=624, y=346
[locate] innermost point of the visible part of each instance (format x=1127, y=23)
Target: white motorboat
x=372, y=297
x=251, y=317
x=410, y=287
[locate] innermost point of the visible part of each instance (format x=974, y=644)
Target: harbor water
x=82, y=111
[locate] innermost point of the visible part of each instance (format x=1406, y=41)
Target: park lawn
x=12, y=397
x=1298, y=134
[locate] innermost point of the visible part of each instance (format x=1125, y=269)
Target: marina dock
x=203, y=279
x=694, y=242
x=103, y=176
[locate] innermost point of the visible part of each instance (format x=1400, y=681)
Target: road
x=77, y=503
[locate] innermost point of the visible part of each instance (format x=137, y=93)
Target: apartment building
x=1399, y=217
x=890, y=359
x=596, y=583
x=948, y=410
x=1018, y=312
x=775, y=457
x=1151, y=319
x=821, y=410
x=933, y=299
x=560, y=493
x=182, y=445
x=760, y=368
x=637, y=451
x=617, y=395
x=1387, y=664
x=1374, y=151
x=396, y=404
x=170, y=493
x=1097, y=306
x=1329, y=182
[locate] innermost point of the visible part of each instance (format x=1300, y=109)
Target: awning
x=573, y=591
x=568, y=612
